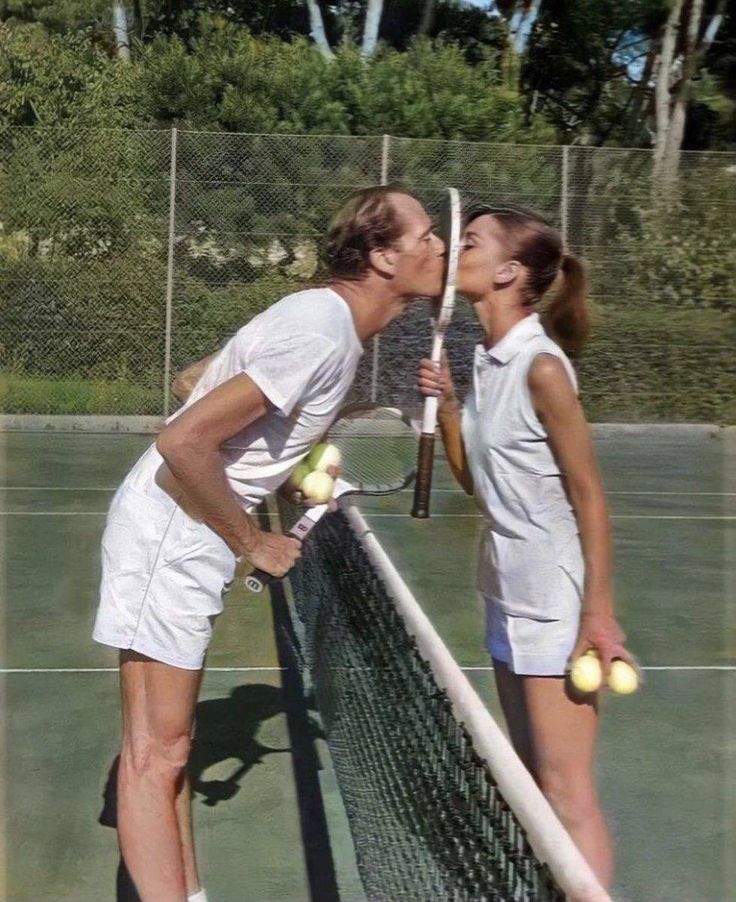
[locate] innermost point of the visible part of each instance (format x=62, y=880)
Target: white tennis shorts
x=163, y=578
x=533, y=647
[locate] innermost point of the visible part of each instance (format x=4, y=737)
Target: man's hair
x=366, y=221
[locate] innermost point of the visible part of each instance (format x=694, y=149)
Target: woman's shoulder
x=545, y=356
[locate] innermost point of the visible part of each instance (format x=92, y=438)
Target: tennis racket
x=449, y=230
x=378, y=448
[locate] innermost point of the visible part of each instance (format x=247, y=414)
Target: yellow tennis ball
x=586, y=672
x=298, y=475
x=323, y=456
x=318, y=486
x=623, y=678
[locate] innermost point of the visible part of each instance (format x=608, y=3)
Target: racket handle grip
x=258, y=580
x=423, y=484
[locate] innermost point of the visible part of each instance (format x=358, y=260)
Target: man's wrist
x=248, y=540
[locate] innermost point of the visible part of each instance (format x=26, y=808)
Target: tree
x=120, y=30
x=684, y=45
x=317, y=29
x=578, y=68
x=370, y=30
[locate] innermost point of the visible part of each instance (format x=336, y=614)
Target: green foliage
x=91, y=319
x=682, y=256
x=431, y=92
x=63, y=79
x=236, y=82
x=70, y=192
x=30, y=394
x=646, y=363
x=60, y=15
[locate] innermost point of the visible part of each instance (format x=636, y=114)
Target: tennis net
x=439, y=806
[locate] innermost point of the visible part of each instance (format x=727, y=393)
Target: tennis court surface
x=270, y=821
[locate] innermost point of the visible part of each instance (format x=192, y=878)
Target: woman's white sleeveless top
x=530, y=549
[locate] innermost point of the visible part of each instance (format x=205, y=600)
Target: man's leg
x=184, y=818
x=158, y=712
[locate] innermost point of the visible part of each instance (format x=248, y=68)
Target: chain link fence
x=125, y=256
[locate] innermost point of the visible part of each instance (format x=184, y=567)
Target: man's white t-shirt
x=302, y=353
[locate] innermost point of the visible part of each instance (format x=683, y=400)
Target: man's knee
x=159, y=758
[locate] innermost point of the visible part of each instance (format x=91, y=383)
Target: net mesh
x=426, y=816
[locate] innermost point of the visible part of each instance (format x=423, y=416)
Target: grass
x=34, y=394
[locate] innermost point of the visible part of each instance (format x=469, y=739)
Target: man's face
x=420, y=254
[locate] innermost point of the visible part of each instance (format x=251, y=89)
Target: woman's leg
x=563, y=732
x=158, y=712
x=511, y=695
x=554, y=734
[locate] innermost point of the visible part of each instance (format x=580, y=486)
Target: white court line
x=115, y=669
x=53, y=488
x=4, y=670
x=674, y=494
x=666, y=667
x=377, y=516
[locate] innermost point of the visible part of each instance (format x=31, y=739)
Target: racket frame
x=425, y=456
x=258, y=580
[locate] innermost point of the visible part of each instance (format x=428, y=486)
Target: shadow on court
x=226, y=731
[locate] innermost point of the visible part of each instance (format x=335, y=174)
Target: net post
x=385, y=158
x=170, y=272
x=564, y=188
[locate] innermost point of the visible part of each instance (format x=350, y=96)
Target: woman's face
x=482, y=256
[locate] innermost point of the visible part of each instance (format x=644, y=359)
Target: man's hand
x=296, y=496
x=272, y=553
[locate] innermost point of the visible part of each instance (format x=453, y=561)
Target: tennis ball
x=298, y=475
x=323, y=456
x=318, y=486
x=586, y=672
x=623, y=678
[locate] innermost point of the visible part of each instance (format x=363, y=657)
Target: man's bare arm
x=191, y=446
x=185, y=381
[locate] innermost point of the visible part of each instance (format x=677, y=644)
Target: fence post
x=385, y=144
x=170, y=273
x=564, y=188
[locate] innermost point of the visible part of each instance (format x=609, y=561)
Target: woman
x=522, y=446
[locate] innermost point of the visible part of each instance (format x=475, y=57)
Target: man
x=182, y=517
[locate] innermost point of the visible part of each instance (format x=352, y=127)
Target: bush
x=683, y=256
x=650, y=364
x=234, y=81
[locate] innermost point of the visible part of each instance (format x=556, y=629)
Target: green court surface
x=268, y=816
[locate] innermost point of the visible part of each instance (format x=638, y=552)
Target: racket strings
x=378, y=451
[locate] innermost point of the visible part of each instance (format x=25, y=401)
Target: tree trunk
x=120, y=28
x=317, y=29
x=427, y=22
x=370, y=29
x=681, y=94
x=522, y=23
x=662, y=87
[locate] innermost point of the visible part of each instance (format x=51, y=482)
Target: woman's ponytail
x=566, y=317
